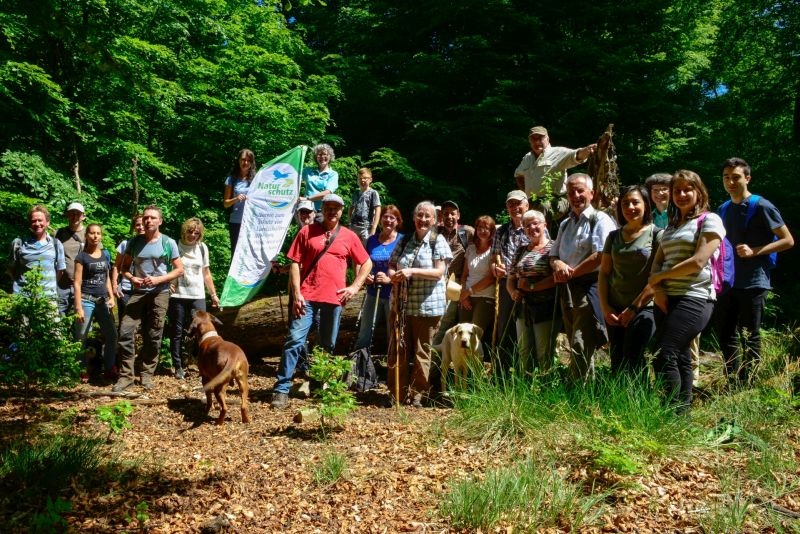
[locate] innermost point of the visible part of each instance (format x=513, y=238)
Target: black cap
x=449, y=204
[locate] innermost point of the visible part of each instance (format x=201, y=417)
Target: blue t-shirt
x=380, y=254
x=316, y=182
x=752, y=273
x=240, y=187
x=28, y=252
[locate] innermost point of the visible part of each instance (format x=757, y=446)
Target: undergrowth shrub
x=36, y=347
x=524, y=497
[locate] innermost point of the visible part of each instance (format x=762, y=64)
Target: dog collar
x=208, y=335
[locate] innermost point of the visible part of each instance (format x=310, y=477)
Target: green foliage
x=45, y=465
x=115, y=416
x=329, y=469
x=335, y=398
x=527, y=497
x=51, y=520
x=140, y=515
x=625, y=414
x=37, y=346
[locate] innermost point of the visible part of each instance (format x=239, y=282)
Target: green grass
x=48, y=463
x=614, y=429
x=331, y=467
x=528, y=495
x=612, y=416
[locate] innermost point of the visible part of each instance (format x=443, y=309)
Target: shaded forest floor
x=184, y=474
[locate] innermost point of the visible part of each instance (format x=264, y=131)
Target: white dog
x=461, y=345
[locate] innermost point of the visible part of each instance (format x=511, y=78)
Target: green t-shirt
x=631, y=265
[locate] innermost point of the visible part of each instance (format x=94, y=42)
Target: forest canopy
x=436, y=97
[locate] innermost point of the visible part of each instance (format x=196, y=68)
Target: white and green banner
x=268, y=212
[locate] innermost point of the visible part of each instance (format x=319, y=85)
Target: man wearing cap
x=319, y=255
x=507, y=239
x=458, y=237
x=305, y=213
x=72, y=237
x=542, y=173
x=575, y=260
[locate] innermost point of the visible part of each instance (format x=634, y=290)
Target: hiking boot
x=180, y=374
x=280, y=401
x=121, y=385
x=147, y=383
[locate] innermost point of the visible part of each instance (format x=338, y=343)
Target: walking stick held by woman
x=498, y=262
x=399, y=326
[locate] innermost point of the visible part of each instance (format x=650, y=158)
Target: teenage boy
x=365, y=209
x=756, y=231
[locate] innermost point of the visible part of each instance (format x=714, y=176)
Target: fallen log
x=260, y=328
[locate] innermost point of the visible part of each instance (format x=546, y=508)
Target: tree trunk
x=135, y=162
x=75, y=174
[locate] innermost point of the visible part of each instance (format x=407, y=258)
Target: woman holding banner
x=237, y=185
x=321, y=180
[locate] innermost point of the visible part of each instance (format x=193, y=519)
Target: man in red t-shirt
x=317, y=283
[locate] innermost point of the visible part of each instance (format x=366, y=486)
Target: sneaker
x=84, y=377
x=180, y=374
x=280, y=400
x=121, y=385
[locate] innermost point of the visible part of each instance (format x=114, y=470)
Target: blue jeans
x=367, y=327
x=100, y=312
x=299, y=327
x=66, y=299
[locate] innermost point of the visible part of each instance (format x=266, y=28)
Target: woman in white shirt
x=477, y=293
x=188, y=292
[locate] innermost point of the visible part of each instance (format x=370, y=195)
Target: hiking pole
x=498, y=261
x=551, y=349
x=374, y=314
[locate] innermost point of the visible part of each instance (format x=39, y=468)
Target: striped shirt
x=679, y=243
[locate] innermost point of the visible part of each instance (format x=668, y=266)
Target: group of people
x=152, y=278
x=643, y=276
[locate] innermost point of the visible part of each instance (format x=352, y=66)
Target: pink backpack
x=722, y=272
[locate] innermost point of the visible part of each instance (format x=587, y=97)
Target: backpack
x=751, y=211
x=721, y=262
x=138, y=242
x=16, y=246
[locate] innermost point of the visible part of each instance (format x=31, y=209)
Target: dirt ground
x=195, y=476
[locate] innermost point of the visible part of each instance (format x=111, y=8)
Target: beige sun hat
x=453, y=288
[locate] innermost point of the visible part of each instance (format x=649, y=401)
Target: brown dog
x=219, y=361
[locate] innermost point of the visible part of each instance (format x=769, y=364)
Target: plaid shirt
x=506, y=241
x=426, y=298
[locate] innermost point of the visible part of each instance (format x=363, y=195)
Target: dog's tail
x=223, y=376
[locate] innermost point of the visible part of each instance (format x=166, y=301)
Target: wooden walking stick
x=399, y=296
x=498, y=261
